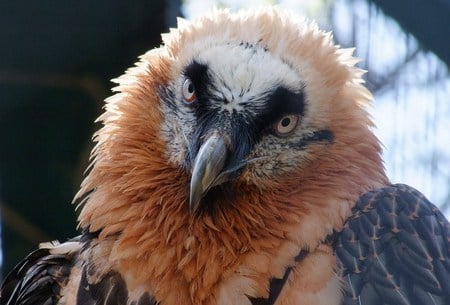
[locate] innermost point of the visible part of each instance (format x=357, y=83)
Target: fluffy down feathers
x=279, y=110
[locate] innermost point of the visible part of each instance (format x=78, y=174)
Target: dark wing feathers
x=395, y=250
x=110, y=289
x=37, y=279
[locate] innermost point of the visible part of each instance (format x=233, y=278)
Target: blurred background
x=57, y=57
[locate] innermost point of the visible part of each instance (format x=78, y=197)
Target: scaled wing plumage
x=395, y=250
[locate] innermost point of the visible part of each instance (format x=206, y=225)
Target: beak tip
x=193, y=204
x=195, y=197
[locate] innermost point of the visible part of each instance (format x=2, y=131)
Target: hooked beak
x=208, y=165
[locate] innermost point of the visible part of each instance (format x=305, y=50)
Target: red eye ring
x=188, y=91
x=286, y=125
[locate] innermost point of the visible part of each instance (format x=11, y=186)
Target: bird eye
x=286, y=125
x=188, y=91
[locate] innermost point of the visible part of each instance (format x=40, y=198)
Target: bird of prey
x=237, y=165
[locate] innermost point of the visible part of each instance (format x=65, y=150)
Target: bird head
x=237, y=113
x=252, y=110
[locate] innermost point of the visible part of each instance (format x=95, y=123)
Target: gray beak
x=208, y=165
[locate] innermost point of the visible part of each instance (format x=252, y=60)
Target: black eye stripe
x=285, y=101
x=198, y=74
x=280, y=102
